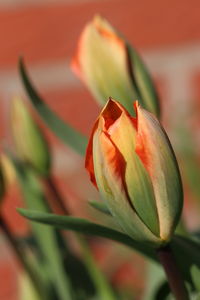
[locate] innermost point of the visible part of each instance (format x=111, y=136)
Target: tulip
x=30, y=143
x=108, y=65
x=131, y=162
x=8, y=170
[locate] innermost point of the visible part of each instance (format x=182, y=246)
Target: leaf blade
x=46, y=237
x=186, y=250
x=62, y=130
x=86, y=227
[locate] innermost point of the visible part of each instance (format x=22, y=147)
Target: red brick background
x=167, y=34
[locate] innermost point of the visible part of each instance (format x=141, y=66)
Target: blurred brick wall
x=45, y=32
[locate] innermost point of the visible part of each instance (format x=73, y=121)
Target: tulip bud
x=8, y=170
x=131, y=162
x=108, y=65
x=30, y=143
x=2, y=185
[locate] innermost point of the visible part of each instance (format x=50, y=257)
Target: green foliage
x=62, y=130
x=185, y=250
x=46, y=238
x=103, y=288
x=100, y=206
x=30, y=143
x=89, y=228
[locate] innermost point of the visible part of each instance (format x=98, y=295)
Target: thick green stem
x=173, y=273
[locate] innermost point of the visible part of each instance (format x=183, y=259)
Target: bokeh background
x=45, y=33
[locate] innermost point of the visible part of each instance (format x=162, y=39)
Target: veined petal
x=109, y=166
x=155, y=151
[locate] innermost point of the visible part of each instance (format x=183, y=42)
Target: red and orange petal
x=89, y=163
x=113, y=159
x=108, y=117
x=112, y=112
x=110, y=35
x=143, y=139
x=76, y=60
x=140, y=147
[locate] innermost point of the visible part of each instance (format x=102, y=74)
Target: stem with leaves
x=173, y=273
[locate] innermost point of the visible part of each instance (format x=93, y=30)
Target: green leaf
x=186, y=251
x=100, y=206
x=195, y=273
x=62, y=130
x=142, y=80
x=46, y=237
x=87, y=227
x=188, y=155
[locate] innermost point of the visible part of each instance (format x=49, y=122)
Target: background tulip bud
x=2, y=185
x=109, y=66
x=133, y=165
x=30, y=143
x=8, y=170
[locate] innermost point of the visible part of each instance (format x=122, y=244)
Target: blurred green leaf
x=186, y=251
x=103, y=288
x=100, y=206
x=195, y=273
x=62, y=130
x=187, y=151
x=46, y=237
x=162, y=292
x=154, y=282
x=142, y=80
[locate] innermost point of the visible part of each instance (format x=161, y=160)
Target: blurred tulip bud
x=132, y=163
x=109, y=66
x=26, y=288
x=8, y=170
x=2, y=185
x=30, y=143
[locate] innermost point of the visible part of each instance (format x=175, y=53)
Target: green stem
x=103, y=287
x=173, y=274
x=58, y=204
x=20, y=256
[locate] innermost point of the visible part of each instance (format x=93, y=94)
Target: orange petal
x=106, y=31
x=108, y=116
x=155, y=151
x=114, y=162
x=89, y=164
x=76, y=60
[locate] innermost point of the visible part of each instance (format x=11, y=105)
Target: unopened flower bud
x=30, y=143
x=131, y=162
x=109, y=66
